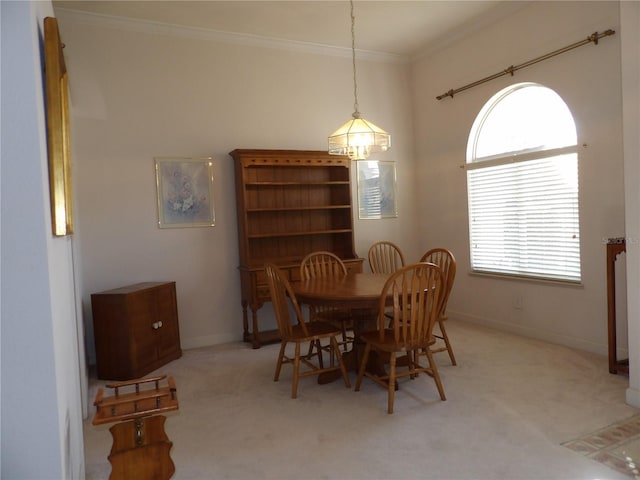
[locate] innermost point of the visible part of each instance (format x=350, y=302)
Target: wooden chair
x=385, y=257
x=415, y=290
x=327, y=264
x=447, y=262
x=297, y=331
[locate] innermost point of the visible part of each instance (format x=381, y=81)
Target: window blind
x=524, y=218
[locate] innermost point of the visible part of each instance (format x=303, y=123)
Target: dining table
x=358, y=292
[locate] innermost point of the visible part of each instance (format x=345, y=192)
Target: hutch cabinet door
x=167, y=332
x=143, y=341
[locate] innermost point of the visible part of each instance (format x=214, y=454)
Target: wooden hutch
x=289, y=203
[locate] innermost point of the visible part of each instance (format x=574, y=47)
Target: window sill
x=523, y=278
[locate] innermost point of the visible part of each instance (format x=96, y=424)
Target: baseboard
x=633, y=397
x=209, y=340
x=546, y=335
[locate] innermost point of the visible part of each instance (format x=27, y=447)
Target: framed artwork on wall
x=185, y=192
x=57, y=113
x=376, y=189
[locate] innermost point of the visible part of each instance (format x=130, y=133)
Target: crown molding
x=159, y=28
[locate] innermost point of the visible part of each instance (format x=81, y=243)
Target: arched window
x=522, y=179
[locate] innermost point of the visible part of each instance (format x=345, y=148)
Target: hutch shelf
x=289, y=203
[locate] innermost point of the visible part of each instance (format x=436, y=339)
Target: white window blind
x=523, y=206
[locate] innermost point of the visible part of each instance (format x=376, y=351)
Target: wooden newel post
x=615, y=246
x=140, y=447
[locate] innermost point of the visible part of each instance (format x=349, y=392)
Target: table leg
x=363, y=320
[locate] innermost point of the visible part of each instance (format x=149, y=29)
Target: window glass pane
x=525, y=119
x=523, y=208
x=376, y=189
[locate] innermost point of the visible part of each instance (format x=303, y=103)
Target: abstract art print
x=185, y=192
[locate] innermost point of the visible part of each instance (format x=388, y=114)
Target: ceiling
x=395, y=27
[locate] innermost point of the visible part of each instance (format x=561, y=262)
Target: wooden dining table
x=358, y=292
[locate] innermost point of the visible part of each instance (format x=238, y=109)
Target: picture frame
x=57, y=118
x=376, y=189
x=185, y=192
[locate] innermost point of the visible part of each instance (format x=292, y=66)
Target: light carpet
x=511, y=404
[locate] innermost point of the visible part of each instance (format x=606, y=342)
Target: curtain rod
x=594, y=37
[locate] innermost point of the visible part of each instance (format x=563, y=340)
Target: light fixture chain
x=356, y=113
x=357, y=138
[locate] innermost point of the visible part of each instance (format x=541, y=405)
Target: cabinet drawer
x=262, y=291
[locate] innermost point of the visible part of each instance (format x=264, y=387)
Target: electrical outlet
x=517, y=302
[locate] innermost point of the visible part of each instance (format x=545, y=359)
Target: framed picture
x=185, y=192
x=57, y=100
x=376, y=189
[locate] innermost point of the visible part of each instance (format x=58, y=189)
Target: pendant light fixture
x=358, y=137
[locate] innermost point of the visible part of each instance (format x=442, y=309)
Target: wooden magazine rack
x=140, y=447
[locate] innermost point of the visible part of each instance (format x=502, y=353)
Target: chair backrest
x=415, y=291
x=447, y=262
x=385, y=257
x=322, y=264
x=280, y=289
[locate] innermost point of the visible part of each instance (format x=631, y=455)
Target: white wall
x=139, y=91
x=588, y=79
x=630, y=29
x=40, y=399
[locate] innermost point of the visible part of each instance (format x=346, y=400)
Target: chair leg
x=344, y=336
x=310, y=351
x=279, y=364
x=320, y=359
x=445, y=337
x=312, y=314
x=392, y=381
x=410, y=359
x=435, y=374
x=363, y=366
x=336, y=350
x=332, y=354
x=296, y=371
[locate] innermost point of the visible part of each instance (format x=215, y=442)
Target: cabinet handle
x=154, y=325
x=160, y=324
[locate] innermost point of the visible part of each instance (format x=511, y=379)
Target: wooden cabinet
x=289, y=203
x=135, y=329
